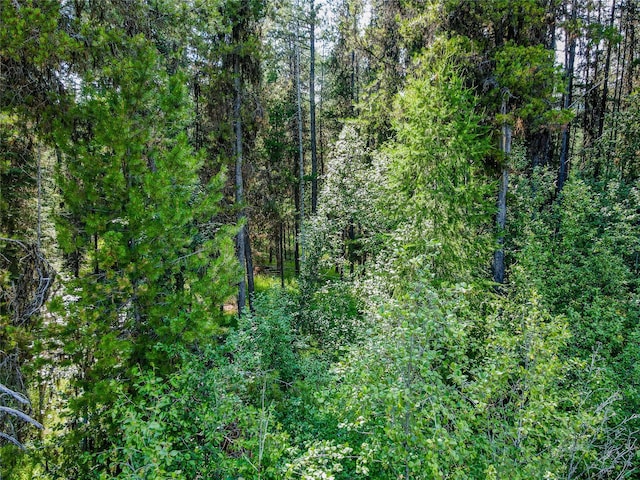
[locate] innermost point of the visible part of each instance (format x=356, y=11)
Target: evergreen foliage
x=143, y=230
x=439, y=205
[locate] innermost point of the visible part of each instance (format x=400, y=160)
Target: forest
x=319, y=239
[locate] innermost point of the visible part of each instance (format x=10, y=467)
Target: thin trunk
x=296, y=233
x=288, y=245
x=350, y=250
x=296, y=249
x=321, y=140
x=631, y=34
x=568, y=98
x=39, y=181
x=312, y=111
x=356, y=72
x=587, y=86
x=621, y=58
x=591, y=89
x=501, y=217
x=249, y=263
x=281, y=248
x=605, y=77
x=197, y=127
x=277, y=232
x=300, y=252
x=240, y=240
x=286, y=242
x=96, y=266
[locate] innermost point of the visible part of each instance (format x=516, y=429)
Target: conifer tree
x=436, y=168
x=32, y=50
x=156, y=264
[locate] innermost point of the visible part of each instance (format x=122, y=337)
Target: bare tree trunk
x=631, y=35
x=286, y=241
x=300, y=253
x=281, y=249
x=590, y=89
x=296, y=233
x=249, y=263
x=240, y=239
x=39, y=184
x=501, y=217
x=568, y=98
x=321, y=141
x=312, y=111
x=605, y=77
x=350, y=251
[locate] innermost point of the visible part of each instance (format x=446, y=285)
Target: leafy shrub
x=192, y=424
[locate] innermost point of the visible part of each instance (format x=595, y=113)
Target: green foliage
x=626, y=133
x=335, y=316
x=263, y=343
x=134, y=202
x=134, y=206
x=191, y=424
x=215, y=414
x=347, y=229
x=321, y=460
x=589, y=272
x=496, y=21
x=437, y=189
x=580, y=254
x=395, y=359
x=437, y=392
x=392, y=395
x=529, y=74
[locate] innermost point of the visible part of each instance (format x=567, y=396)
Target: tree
x=439, y=190
x=32, y=50
x=241, y=240
x=134, y=203
x=344, y=232
x=570, y=56
x=312, y=107
x=501, y=216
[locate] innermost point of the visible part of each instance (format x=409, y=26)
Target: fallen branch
x=15, y=395
x=12, y=440
x=22, y=415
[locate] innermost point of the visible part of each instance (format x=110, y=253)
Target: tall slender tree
x=501, y=215
x=312, y=106
x=241, y=240
x=570, y=55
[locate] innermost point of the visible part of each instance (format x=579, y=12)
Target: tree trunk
x=568, y=98
x=605, y=77
x=312, y=111
x=350, y=250
x=501, y=217
x=320, y=126
x=631, y=35
x=590, y=91
x=286, y=241
x=300, y=252
x=240, y=239
x=249, y=264
x=281, y=248
x=296, y=233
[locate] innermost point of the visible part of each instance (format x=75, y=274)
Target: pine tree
x=156, y=266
